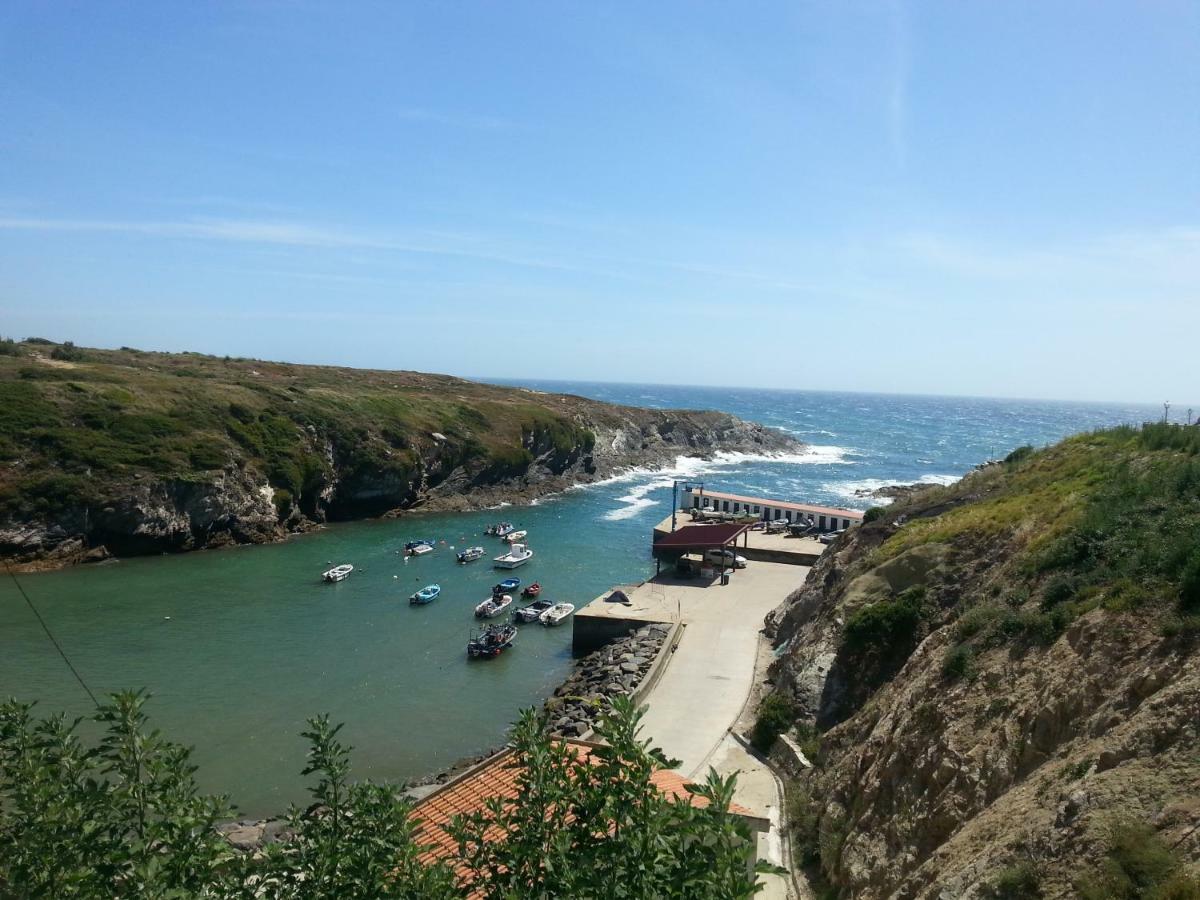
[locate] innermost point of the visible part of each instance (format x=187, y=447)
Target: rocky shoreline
x=616, y=669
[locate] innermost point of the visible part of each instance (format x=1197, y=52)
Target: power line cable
x=49, y=634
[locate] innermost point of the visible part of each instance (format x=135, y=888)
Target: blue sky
x=991, y=198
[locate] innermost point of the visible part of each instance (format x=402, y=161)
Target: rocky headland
x=124, y=452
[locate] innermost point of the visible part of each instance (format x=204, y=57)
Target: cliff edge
x=998, y=682
x=125, y=452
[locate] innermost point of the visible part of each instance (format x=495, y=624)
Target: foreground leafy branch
x=124, y=819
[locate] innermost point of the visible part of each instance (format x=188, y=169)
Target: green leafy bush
x=959, y=662
x=1018, y=882
x=8, y=347
x=885, y=626
x=68, y=352
x=775, y=716
x=1189, y=585
x=1019, y=455
x=1139, y=866
x=124, y=819
x=874, y=513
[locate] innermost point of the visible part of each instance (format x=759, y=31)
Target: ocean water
x=239, y=646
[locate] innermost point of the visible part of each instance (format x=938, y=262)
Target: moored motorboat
x=470, y=553
x=492, y=641
x=338, y=573
x=518, y=555
x=416, y=548
x=508, y=584
x=532, y=591
x=533, y=611
x=427, y=594
x=515, y=536
x=504, y=529
x=493, y=606
x=556, y=614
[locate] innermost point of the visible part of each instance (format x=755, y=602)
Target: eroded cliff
x=125, y=452
x=999, y=681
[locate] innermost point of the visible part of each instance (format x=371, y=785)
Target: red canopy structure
x=702, y=537
x=697, y=538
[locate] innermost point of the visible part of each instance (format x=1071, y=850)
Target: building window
x=756, y=509
x=777, y=513
x=821, y=523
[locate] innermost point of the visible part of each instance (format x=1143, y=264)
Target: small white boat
x=533, y=611
x=416, y=548
x=556, y=614
x=338, y=573
x=516, y=536
x=517, y=555
x=493, y=606
x=503, y=529
x=470, y=553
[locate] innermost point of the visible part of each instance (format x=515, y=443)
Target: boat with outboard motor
x=492, y=641
x=556, y=614
x=532, y=591
x=427, y=594
x=532, y=612
x=517, y=555
x=501, y=529
x=493, y=606
x=516, y=536
x=337, y=573
x=416, y=548
x=469, y=554
x=508, y=584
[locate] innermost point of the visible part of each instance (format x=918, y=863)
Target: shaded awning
x=702, y=537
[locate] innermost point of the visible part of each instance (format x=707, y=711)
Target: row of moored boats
x=495, y=638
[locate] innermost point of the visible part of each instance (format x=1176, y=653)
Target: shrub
x=1018, y=882
x=1189, y=585
x=67, y=352
x=1019, y=455
x=959, y=662
x=1138, y=865
x=1058, y=590
x=874, y=513
x=8, y=347
x=804, y=820
x=775, y=716
x=885, y=625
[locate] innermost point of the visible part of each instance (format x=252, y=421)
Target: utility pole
x=1166, y=410
x=1189, y=415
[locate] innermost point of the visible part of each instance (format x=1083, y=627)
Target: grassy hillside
x=125, y=451
x=999, y=681
x=78, y=420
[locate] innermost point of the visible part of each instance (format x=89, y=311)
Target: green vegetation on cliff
x=1003, y=676
x=81, y=422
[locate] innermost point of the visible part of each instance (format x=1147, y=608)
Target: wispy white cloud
x=453, y=120
x=897, y=105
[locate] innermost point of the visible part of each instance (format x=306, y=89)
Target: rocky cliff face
x=983, y=729
x=146, y=514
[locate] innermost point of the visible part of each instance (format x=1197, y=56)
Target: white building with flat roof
x=827, y=518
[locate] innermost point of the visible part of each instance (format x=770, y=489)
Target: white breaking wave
x=692, y=467
x=850, y=489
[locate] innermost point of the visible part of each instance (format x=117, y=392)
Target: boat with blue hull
x=427, y=594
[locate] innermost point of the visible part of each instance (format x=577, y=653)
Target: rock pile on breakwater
x=616, y=669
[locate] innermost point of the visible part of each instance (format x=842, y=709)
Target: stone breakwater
x=616, y=669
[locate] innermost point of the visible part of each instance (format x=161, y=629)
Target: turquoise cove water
x=239, y=646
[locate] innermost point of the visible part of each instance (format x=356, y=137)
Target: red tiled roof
x=498, y=778
x=701, y=536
